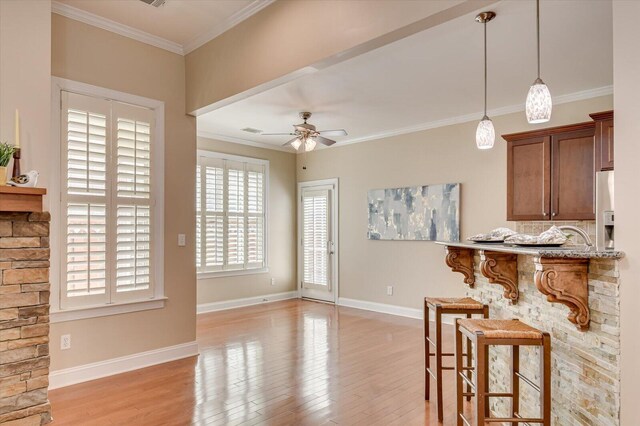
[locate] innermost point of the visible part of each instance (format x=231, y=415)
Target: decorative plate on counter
x=552, y=237
x=498, y=235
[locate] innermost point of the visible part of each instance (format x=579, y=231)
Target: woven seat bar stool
x=444, y=306
x=484, y=333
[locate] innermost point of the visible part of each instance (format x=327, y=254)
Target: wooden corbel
x=501, y=268
x=461, y=260
x=565, y=280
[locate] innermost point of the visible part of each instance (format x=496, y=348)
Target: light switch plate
x=182, y=240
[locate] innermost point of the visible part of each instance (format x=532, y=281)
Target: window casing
x=231, y=214
x=108, y=203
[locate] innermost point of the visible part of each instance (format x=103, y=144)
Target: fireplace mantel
x=20, y=199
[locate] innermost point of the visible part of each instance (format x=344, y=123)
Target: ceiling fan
x=307, y=136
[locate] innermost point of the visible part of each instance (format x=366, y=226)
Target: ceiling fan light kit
x=307, y=136
x=296, y=143
x=539, y=104
x=485, y=132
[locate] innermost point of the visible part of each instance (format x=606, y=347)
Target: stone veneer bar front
x=24, y=319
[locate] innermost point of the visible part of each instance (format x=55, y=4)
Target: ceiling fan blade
x=277, y=134
x=289, y=142
x=338, y=132
x=324, y=141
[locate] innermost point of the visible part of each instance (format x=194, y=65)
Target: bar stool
x=484, y=333
x=443, y=306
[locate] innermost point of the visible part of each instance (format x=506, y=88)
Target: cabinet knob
x=544, y=214
x=553, y=214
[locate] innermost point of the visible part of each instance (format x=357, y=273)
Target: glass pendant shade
x=296, y=144
x=539, y=103
x=309, y=144
x=485, y=134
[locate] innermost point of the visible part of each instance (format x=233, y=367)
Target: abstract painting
x=429, y=212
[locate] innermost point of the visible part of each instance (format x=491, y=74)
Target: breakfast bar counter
x=576, y=252
x=561, y=273
x=537, y=285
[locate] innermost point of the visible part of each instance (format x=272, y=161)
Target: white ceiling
x=186, y=23
x=435, y=77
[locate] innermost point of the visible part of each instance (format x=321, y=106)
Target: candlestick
x=17, y=144
x=16, y=163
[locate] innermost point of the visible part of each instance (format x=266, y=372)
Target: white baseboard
x=384, y=308
x=247, y=301
x=97, y=370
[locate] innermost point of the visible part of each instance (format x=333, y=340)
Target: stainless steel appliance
x=605, y=237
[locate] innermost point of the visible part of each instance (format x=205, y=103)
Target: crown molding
x=115, y=27
x=144, y=37
x=215, y=136
x=558, y=100
x=244, y=13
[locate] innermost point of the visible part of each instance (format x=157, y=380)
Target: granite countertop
x=577, y=252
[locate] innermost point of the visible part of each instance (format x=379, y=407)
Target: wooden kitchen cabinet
x=604, y=140
x=573, y=175
x=551, y=173
x=529, y=178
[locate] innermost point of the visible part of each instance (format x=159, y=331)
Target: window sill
x=222, y=274
x=107, y=310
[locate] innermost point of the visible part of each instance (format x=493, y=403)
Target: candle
x=17, y=144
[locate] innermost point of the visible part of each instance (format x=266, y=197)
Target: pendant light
x=539, y=104
x=485, y=133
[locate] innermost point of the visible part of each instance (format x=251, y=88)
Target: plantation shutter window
x=230, y=213
x=106, y=201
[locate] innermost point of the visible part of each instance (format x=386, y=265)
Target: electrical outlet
x=389, y=290
x=65, y=342
x=273, y=281
x=182, y=240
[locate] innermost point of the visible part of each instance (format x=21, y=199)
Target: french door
x=318, y=233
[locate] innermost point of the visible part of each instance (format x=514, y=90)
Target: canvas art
x=429, y=212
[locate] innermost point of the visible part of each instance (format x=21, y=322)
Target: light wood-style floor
x=286, y=363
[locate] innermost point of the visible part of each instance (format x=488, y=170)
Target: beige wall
x=90, y=55
x=290, y=35
x=626, y=69
x=281, y=229
x=25, y=79
x=446, y=154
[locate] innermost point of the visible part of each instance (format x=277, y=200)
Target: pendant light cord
x=538, y=32
x=485, y=67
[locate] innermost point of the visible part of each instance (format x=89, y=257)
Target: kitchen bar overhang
x=561, y=274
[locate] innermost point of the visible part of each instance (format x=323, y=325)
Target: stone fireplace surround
x=24, y=318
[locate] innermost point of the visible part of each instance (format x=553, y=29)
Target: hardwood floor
x=286, y=363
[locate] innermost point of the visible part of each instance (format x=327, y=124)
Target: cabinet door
x=604, y=144
x=528, y=179
x=573, y=175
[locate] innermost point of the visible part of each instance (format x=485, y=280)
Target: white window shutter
x=106, y=199
x=84, y=198
x=231, y=214
x=315, y=238
x=86, y=249
x=255, y=215
x=132, y=201
x=198, y=217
